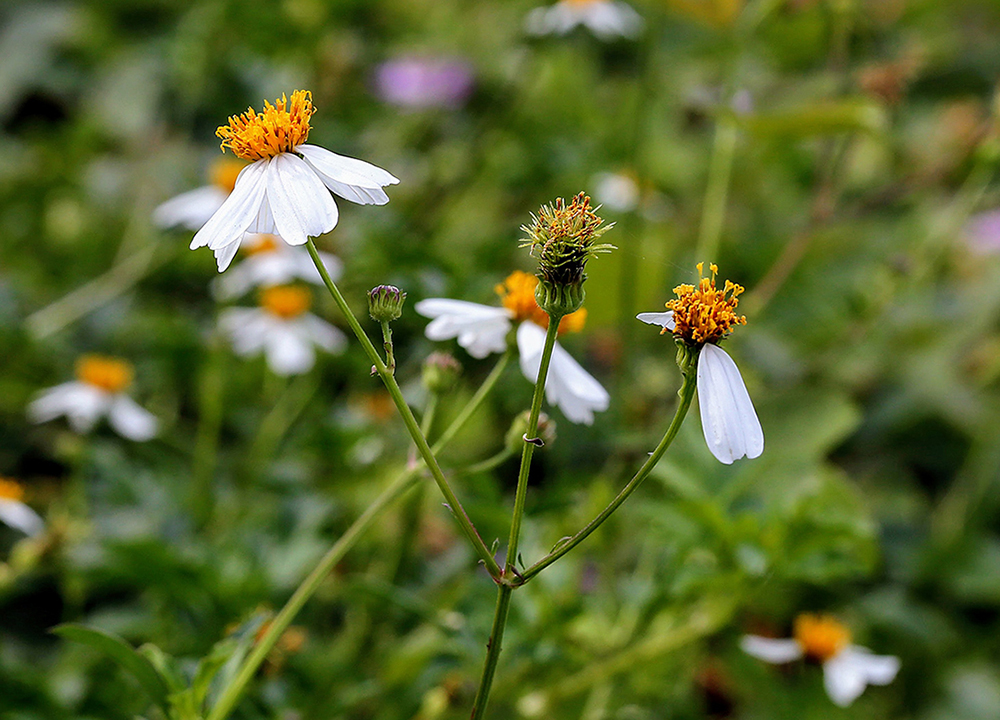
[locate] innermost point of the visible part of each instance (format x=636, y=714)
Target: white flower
x=700, y=317
x=847, y=669
x=282, y=329
x=193, y=208
x=98, y=392
x=616, y=191
x=272, y=262
x=285, y=191
x=14, y=512
x=605, y=18
x=483, y=329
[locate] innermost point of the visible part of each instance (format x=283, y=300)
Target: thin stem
x=713, y=212
x=686, y=395
x=464, y=522
x=489, y=463
x=210, y=411
x=495, y=643
x=309, y=586
x=390, y=359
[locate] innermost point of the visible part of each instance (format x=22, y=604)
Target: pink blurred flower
x=416, y=82
x=982, y=232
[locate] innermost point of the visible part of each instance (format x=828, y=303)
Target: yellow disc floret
x=278, y=128
x=703, y=313
x=263, y=244
x=286, y=301
x=11, y=490
x=109, y=374
x=223, y=173
x=820, y=636
x=517, y=294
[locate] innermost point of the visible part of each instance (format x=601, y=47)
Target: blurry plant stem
x=411, y=423
x=686, y=394
x=390, y=359
x=506, y=586
x=231, y=694
x=490, y=462
x=713, y=213
x=206, y=445
x=287, y=405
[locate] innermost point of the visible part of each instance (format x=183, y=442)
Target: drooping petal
x=130, y=420
x=191, y=209
x=480, y=329
x=82, y=404
x=287, y=352
x=225, y=254
x=728, y=419
x=299, y=201
x=238, y=211
x=350, y=178
x=772, y=650
x=663, y=319
x=20, y=517
x=567, y=386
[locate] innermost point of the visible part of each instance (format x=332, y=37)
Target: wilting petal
x=728, y=419
x=239, y=210
x=847, y=673
x=772, y=650
x=663, y=319
x=300, y=204
x=567, y=386
x=352, y=179
x=130, y=420
x=20, y=517
x=480, y=329
x=191, y=209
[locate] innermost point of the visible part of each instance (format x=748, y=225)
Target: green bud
x=514, y=440
x=441, y=371
x=385, y=303
x=559, y=300
x=687, y=357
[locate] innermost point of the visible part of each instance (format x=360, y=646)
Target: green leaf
x=123, y=654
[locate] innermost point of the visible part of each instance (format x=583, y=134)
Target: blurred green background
x=840, y=151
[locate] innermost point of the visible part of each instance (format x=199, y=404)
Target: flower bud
x=441, y=371
x=515, y=438
x=385, y=303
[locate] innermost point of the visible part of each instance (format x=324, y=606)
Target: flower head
x=699, y=318
x=98, y=391
x=847, y=668
x=285, y=190
x=605, y=18
x=14, y=512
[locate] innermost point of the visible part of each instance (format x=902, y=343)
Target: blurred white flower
x=607, y=19
x=482, y=329
x=616, y=191
x=415, y=82
x=847, y=669
x=285, y=190
x=13, y=511
x=99, y=391
x=702, y=316
x=193, y=208
x=283, y=329
x=272, y=262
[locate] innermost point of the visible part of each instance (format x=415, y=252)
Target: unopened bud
x=518, y=433
x=441, y=371
x=385, y=303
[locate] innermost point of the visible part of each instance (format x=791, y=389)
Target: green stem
x=390, y=359
x=506, y=587
x=686, y=394
x=713, y=212
x=231, y=694
x=210, y=411
x=464, y=522
x=489, y=463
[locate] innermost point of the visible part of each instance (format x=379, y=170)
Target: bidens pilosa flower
x=605, y=18
x=285, y=190
x=847, y=669
x=193, y=208
x=283, y=329
x=700, y=317
x=99, y=391
x=14, y=512
x=482, y=329
x=272, y=262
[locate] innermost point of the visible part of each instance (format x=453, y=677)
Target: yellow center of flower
x=285, y=301
x=223, y=173
x=264, y=244
x=820, y=636
x=109, y=374
x=10, y=490
x=581, y=3
x=278, y=128
x=703, y=313
x=517, y=294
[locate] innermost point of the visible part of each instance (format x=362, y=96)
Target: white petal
x=191, y=209
x=480, y=329
x=611, y=19
x=728, y=419
x=352, y=179
x=130, y=420
x=225, y=254
x=301, y=205
x=567, y=386
x=323, y=334
x=20, y=517
x=844, y=678
x=771, y=650
x=287, y=352
x=239, y=210
x=82, y=404
x=663, y=319
x=877, y=669
x=247, y=329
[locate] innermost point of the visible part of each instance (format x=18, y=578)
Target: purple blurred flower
x=982, y=232
x=416, y=82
